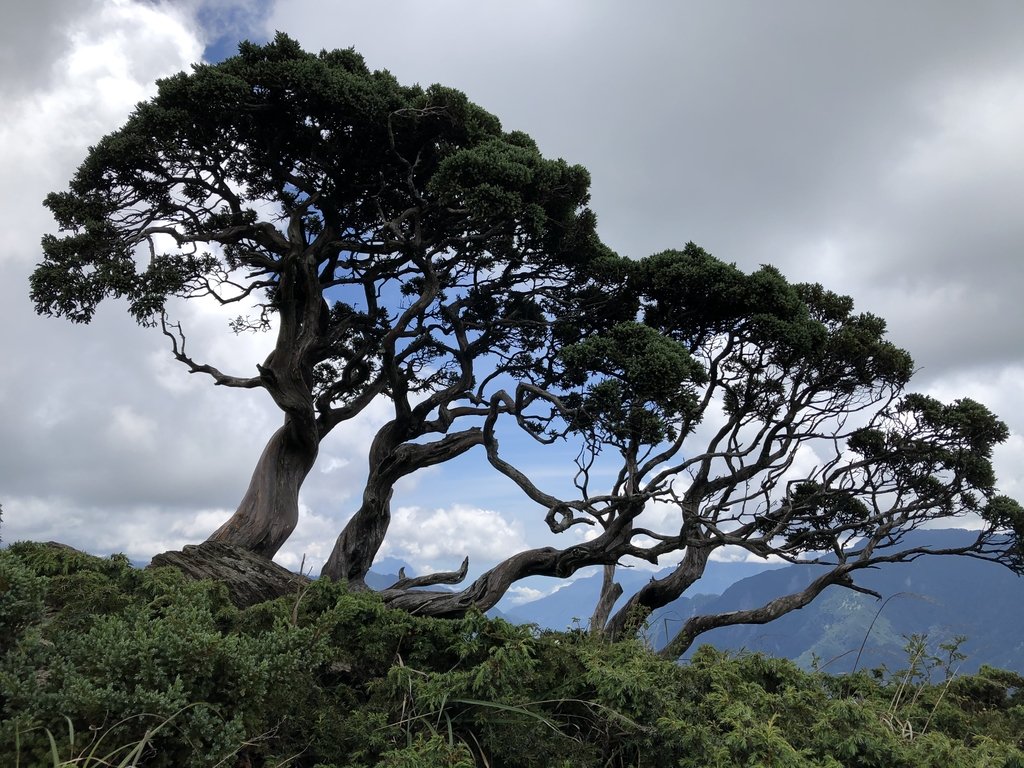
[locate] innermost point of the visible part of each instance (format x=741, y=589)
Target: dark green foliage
x=21, y=599
x=327, y=678
x=645, y=383
x=710, y=401
x=359, y=159
x=395, y=240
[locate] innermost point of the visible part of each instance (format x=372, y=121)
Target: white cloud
x=333, y=463
x=973, y=141
x=90, y=431
x=311, y=543
x=741, y=555
x=112, y=56
x=139, y=531
x=131, y=431
x=438, y=539
x=520, y=595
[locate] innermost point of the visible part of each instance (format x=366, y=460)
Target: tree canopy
x=740, y=410
x=400, y=245
x=389, y=235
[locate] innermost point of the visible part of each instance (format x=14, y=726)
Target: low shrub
x=100, y=659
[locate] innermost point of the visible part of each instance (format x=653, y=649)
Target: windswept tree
x=390, y=237
x=399, y=244
x=739, y=410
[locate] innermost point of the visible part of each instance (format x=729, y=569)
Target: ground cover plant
x=99, y=657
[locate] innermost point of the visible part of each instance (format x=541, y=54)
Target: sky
x=873, y=147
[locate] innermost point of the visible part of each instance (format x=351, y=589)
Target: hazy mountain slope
x=577, y=599
x=941, y=597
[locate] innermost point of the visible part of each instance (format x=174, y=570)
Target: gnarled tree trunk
x=361, y=539
x=697, y=625
x=611, y=591
x=269, y=511
x=249, y=578
x=658, y=593
x=484, y=593
x=390, y=460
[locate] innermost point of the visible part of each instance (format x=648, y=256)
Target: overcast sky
x=871, y=146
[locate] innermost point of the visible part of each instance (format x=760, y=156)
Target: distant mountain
x=577, y=599
x=384, y=572
x=940, y=597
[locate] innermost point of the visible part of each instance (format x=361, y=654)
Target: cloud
x=766, y=133
x=932, y=241
x=521, y=594
x=311, y=544
x=92, y=429
x=139, y=532
x=106, y=59
x=872, y=147
x=32, y=36
x=438, y=539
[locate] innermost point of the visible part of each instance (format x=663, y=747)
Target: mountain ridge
x=939, y=597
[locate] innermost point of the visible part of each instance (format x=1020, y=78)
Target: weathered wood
x=250, y=578
x=269, y=511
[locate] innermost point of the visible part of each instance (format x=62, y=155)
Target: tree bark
x=361, y=539
x=658, y=592
x=269, y=511
x=249, y=578
x=390, y=460
x=770, y=611
x=490, y=587
x=611, y=591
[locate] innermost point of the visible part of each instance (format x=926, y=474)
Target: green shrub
x=21, y=599
x=100, y=658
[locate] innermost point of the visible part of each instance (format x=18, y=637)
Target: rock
x=250, y=578
x=65, y=548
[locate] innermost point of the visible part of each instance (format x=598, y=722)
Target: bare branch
x=441, y=577
x=174, y=332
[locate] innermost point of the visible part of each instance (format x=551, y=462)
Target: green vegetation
x=100, y=659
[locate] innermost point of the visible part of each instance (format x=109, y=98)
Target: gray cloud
x=91, y=435
x=871, y=146
x=766, y=132
x=32, y=37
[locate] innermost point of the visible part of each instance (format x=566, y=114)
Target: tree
x=743, y=411
x=400, y=245
x=788, y=434
x=389, y=236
